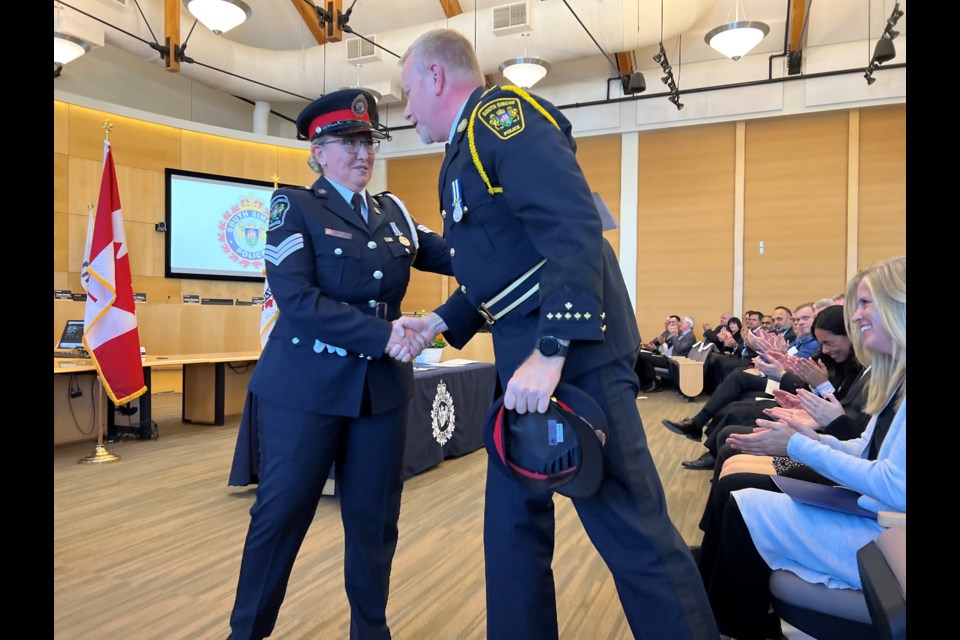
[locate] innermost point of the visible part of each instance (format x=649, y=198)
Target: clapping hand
x=761, y=442
x=786, y=399
x=790, y=421
x=824, y=410
x=813, y=372
x=770, y=364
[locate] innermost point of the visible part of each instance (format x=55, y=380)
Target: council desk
x=444, y=419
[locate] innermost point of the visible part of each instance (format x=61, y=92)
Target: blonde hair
x=887, y=282
x=451, y=48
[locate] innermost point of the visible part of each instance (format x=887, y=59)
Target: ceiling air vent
x=511, y=18
x=359, y=51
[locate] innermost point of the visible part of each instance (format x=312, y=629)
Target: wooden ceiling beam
x=171, y=33
x=625, y=62
x=309, y=17
x=450, y=7
x=798, y=20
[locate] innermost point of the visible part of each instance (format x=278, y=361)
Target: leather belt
x=511, y=297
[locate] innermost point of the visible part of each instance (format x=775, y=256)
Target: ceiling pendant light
x=523, y=71
x=219, y=15
x=736, y=39
x=67, y=48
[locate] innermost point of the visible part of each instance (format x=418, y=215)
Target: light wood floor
x=149, y=547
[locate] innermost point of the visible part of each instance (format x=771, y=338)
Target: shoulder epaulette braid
x=406, y=215
x=471, y=136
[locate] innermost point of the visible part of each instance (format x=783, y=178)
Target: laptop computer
x=71, y=341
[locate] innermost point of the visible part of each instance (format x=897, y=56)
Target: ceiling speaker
x=633, y=83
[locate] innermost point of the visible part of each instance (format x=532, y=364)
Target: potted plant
x=432, y=352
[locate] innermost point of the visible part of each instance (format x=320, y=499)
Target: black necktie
x=357, y=203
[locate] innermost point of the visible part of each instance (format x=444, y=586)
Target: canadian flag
x=110, y=320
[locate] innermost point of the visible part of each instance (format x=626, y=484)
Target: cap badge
x=359, y=105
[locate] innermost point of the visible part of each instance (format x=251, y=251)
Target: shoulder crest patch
x=503, y=116
x=278, y=211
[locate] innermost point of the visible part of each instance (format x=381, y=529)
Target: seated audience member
x=783, y=329
x=730, y=336
x=751, y=528
x=740, y=357
x=821, y=304
x=767, y=323
x=834, y=370
x=710, y=334
x=671, y=325
x=676, y=345
x=750, y=383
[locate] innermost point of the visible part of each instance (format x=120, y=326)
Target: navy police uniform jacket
x=513, y=194
x=338, y=283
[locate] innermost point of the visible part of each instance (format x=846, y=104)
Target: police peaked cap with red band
x=560, y=450
x=340, y=113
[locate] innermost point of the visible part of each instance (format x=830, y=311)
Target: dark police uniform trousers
x=545, y=210
x=326, y=393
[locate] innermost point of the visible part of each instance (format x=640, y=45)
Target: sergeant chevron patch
x=277, y=254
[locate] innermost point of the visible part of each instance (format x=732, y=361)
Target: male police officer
x=527, y=249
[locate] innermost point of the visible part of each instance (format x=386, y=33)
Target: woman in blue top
x=761, y=529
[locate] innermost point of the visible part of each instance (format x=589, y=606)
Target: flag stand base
x=100, y=455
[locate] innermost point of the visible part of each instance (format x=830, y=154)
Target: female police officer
x=326, y=389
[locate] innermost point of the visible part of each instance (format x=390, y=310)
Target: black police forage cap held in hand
x=560, y=450
x=340, y=113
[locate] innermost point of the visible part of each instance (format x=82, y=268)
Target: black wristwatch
x=550, y=346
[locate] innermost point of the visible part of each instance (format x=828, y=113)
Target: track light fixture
x=884, y=51
x=667, y=79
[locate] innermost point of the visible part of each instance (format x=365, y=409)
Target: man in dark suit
x=678, y=344
x=532, y=263
x=324, y=389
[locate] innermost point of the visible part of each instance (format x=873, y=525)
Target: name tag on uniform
x=346, y=235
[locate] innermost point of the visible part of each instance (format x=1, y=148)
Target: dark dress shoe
x=706, y=461
x=685, y=427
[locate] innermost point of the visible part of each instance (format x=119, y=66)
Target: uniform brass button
x=377, y=274
x=372, y=303
x=443, y=213
x=463, y=288
x=453, y=252
x=337, y=251
x=371, y=245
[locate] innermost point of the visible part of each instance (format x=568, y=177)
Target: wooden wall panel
x=61, y=129
x=60, y=249
x=883, y=187
x=795, y=200
x=414, y=180
x=135, y=143
x=599, y=157
x=238, y=158
x=685, y=225
x=292, y=167
x=83, y=184
x=61, y=184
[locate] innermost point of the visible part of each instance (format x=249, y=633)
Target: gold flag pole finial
x=276, y=181
x=107, y=127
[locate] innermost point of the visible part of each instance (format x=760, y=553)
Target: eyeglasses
x=352, y=145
